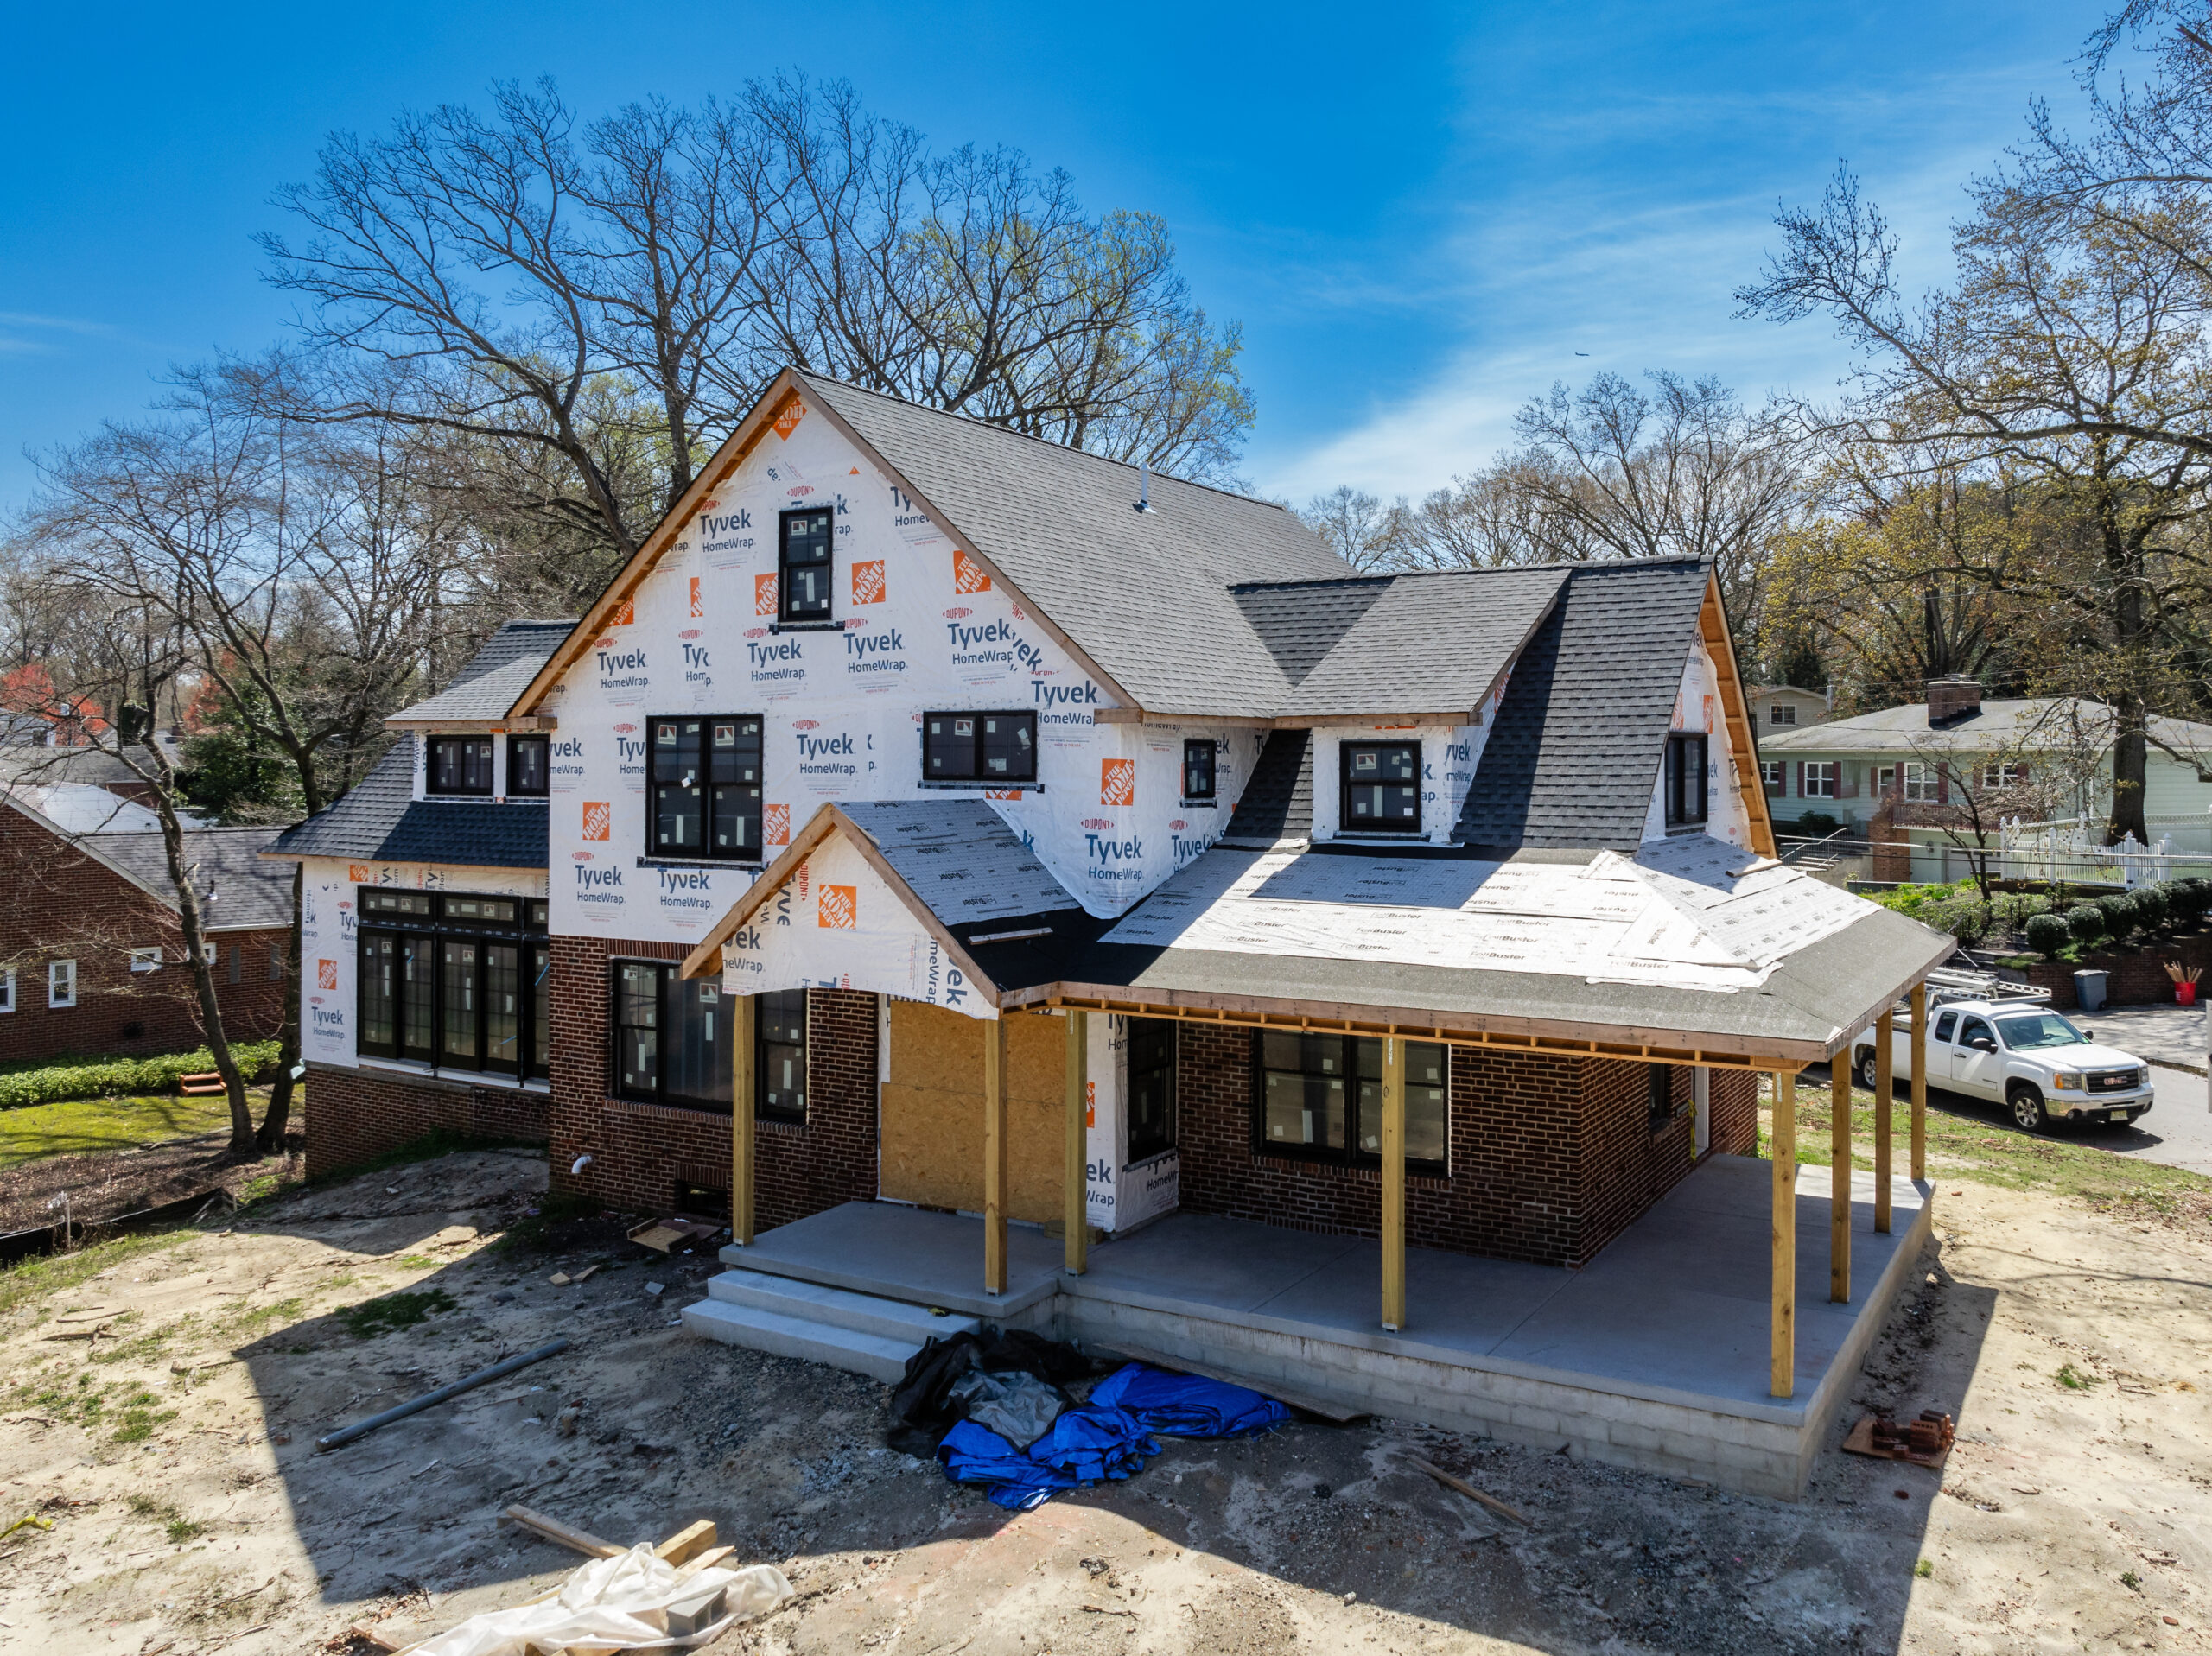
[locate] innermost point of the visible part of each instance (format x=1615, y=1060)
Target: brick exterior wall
x=2138, y=979
x=61, y=905
x=355, y=1116
x=644, y=1155
x=1551, y=1157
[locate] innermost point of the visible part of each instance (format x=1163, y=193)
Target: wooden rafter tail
x=1720, y=644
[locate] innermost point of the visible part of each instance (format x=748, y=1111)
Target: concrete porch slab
x=915, y=1254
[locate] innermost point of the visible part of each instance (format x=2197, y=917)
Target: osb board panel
x=933, y=1111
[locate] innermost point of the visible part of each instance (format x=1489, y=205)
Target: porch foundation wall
x=355, y=1116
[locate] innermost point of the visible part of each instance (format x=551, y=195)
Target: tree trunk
x=203, y=982
x=2131, y=759
x=278, y=1116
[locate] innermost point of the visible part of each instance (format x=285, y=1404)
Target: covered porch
x=1658, y=1354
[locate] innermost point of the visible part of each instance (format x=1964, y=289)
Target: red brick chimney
x=1952, y=697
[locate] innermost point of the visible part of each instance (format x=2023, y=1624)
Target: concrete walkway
x=2173, y=1036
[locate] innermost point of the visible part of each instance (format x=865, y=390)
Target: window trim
x=1351, y=1156
x=147, y=958
x=527, y=933
x=1345, y=823
x=1923, y=789
x=976, y=778
x=55, y=973
x=430, y=789
x=1777, y=710
x=1676, y=770
x=7, y=990
x=827, y=615
x=665, y=973
x=1212, y=793
x=545, y=744
x=753, y=856
x=1828, y=784
x=760, y=1110
x=1132, y=1155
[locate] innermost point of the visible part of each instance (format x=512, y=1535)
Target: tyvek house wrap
x=1684, y=913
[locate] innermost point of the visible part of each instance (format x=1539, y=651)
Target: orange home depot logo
x=698, y=609
x=868, y=581
x=967, y=575
x=787, y=422
x=776, y=824
x=625, y=613
x=325, y=974
x=359, y=874
x=839, y=908
x=1118, y=782
x=764, y=595
x=599, y=817
x=1090, y=1103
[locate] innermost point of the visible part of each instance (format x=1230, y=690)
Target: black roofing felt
x=486, y=687
x=1277, y=803
x=227, y=865
x=1575, y=750
x=381, y=820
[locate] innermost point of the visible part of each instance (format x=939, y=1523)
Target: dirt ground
x=190, y=1512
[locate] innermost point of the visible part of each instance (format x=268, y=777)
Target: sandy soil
x=191, y=1513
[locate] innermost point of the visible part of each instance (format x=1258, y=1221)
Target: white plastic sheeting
x=611, y=1604
x=1684, y=913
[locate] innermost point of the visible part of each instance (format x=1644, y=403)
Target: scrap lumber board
x=1342, y=1414
x=566, y=1534
x=688, y=1542
x=1472, y=1492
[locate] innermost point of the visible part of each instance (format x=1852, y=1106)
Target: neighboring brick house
x=91, y=957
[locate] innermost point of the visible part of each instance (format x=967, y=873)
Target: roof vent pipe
x=1144, y=485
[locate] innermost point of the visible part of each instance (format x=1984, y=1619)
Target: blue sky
x=1420, y=215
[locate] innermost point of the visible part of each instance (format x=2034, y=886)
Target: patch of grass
x=245, y=1322
x=393, y=1312
x=1925, y=1569
x=2131, y=1581
x=50, y=1082
x=554, y=1207
x=29, y=1280
x=2074, y=1380
x=416, y=1262
x=88, y=1126
x=128, y=1413
x=138, y=1412
x=181, y=1530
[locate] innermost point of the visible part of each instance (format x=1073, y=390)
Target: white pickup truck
x=2019, y=1053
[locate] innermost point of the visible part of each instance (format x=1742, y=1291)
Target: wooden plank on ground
x=1341, y=1413
x=566, y=1534
x=688, y=1542
x=1470, y=1492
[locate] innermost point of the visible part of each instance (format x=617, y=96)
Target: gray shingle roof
x=1575, y=751
x=495, y=676
x=960, y=857
x=1145, y=595
x=1431, y=643
x=1300, y=622
x=2001, y=722
x=248, y=891
x=380, y=821
x=1277, y=803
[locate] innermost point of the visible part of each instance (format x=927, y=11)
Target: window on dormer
x=1685, y=780
x=459, y=765
x=1197, y=770
x=527, y=777
x=1381, y=790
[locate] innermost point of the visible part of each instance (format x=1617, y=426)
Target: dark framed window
x=804, y=538
x=706, y=787
x=459, y=765
x=979, y=746
x=527, y=761
x=671, y=1036
x=1320, y=1098
x=454, y=979
x=1685, y=782
x=1661, y=1080
x=1152, y=1087
x=1198, y=770
x=1381, y=788
x=780, y=1056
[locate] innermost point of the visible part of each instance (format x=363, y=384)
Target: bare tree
x=1355, y=525
x=2034, y=775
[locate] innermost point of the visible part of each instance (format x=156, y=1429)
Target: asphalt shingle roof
x=1430, y=643
x=495, y=676
x=380, y=821
x=1574, y=752
x=1145, y=595
x=1300, y=622
x=1277, y=803
x=2000, y=722
x=247, y=891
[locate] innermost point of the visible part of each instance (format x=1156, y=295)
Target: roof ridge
x=1572, y=566
x=812, y=377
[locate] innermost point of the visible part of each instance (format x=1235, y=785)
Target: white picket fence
x=2070, y=848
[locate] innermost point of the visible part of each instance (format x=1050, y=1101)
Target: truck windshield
x=2039, y=1030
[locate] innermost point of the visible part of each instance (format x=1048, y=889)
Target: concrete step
x=790, y=1336
x=839, y=1308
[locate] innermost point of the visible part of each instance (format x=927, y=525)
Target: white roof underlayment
x=1684, y=913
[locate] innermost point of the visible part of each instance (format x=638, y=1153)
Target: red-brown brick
x=354, y=1115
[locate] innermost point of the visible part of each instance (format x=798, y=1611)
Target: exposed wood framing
x=742, y=1129
x=1075, y=1207
x=1840, y=1179
x=1781, y=1310
x=1147, y=716
x=533, y=726
x=1884, y=1083
x=1394, y=1184
x=994, y=1066
x=1919, y=1082
x=1713, y=624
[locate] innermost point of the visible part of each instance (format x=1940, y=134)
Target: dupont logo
x=626, y=730
x=599, y=818
x=967, y=575
x=1118, y=782
x=838, y=908
x=1097, y=822
x=325, y=974
x=690, y=632
x=787, y=422
x=580, y=856
x=764, y=595
x=806, y=724
x=625, y=613
x=756, y=632
x=1177, y=826
x=776, y=824
x=710, y=505
x=798, y=489
x=868, y=584
x=359, y=873
x=698, y=606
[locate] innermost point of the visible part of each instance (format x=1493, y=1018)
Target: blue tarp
x=1186, y=1406
x=1107, y=1438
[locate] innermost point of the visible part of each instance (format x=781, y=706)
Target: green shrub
x=2191, y=896
x=2121, y=916
x=117, y=1077
x=2046, y=933
x=2088, y=923
x=1963, y=914
x=2151, y=909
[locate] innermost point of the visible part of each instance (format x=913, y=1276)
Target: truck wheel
x=1865, y=1066
x=2027, y=1108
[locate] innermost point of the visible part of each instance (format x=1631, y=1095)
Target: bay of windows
x=457, y=981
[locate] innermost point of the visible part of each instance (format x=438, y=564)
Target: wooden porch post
x=1075, y=1210
x=1919, y=1081
x=742, y=1086
x=1840, y=1176
x=1884, y=1083
x=1782, y=1323
x=1394, y=1184
x=994, y=1044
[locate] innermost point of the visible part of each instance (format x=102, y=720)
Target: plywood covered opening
x=932, y=1111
